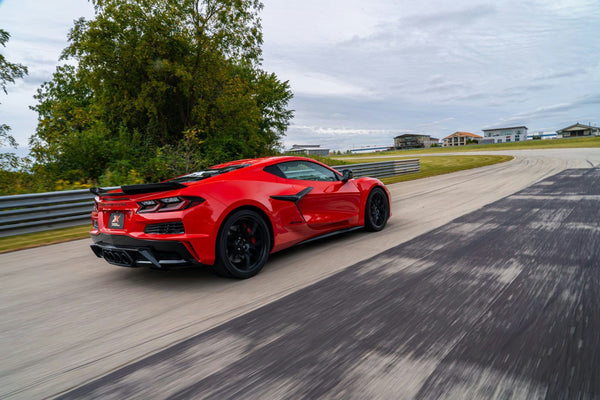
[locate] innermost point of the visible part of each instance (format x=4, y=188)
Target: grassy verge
x=430, y=166
x=439, y=165
x=29, y=240
x=579, y=142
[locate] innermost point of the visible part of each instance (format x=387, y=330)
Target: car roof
x=264, y=161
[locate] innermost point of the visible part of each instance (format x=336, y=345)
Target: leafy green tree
x=8, y=73
x=159, y=87
x=70, y=143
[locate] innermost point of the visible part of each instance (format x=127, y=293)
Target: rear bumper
x=130, y=252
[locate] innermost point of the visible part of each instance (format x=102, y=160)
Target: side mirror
x=347, y=175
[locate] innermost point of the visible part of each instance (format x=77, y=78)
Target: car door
x=325, y=202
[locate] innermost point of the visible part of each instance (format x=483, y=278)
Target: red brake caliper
x=252, y=238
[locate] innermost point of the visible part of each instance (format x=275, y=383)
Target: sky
x=364, y=72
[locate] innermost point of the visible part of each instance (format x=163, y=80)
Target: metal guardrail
x=37, y=212
x=382, y=169
x=26, y=213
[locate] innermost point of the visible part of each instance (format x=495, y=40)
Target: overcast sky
x=364, y=72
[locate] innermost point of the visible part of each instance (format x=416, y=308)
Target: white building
x=308, y=150
x=541, y=135
x=507, y=135
x=369, y=149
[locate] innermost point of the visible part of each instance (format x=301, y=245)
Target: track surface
x=434, y=318
x=500, y=303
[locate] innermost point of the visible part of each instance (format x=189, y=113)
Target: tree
x=160, y=87
x=8, y=73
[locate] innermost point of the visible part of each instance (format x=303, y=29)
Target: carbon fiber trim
x=157, y=254
x=295, y=197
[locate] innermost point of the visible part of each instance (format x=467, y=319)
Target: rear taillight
x=148, y=206
x=169, y=204
x=172, y=204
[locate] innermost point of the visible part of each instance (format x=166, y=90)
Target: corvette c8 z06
x=232, y=216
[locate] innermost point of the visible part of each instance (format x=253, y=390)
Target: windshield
x=200, y=175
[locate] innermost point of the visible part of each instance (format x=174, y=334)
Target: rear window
x=200, y=175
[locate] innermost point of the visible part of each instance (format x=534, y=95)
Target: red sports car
x=232, y=216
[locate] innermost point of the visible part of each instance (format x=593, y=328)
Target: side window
x=307, y=171
x=274, y=169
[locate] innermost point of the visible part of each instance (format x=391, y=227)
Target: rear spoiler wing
x=138, y=189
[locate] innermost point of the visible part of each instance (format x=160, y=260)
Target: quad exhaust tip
x=123, y=257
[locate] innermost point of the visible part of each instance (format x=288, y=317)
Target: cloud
x=321, y=84
x=340, y=138
x=556, y=111
x=563, y=74
x=363, y=72
x=344, y=131
x=456, y=18
x=444, y=88
x=470, y=97
x=438, y=122
x=421, y=28
x=467, y=63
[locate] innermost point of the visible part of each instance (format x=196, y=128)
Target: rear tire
x=243, y=245
x=377, y=210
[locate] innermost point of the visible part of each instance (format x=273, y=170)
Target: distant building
x=541, y=135
x=410, y=141
x=308, y=150
x=370, y=149
x=506, y=135
x=460, y=139
x=578, y=130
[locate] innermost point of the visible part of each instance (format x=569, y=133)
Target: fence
x=37, y=212
x=382, y=169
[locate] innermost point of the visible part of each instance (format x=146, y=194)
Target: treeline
x=151, y=89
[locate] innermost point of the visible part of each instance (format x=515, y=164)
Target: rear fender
x=286, y=223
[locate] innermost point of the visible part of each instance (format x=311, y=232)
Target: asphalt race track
x=500, y=303
x=484, y=285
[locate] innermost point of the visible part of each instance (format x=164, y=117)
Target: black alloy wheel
x=377, y=210
x=243, y=245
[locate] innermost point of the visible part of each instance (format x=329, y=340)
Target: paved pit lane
x=500, y=303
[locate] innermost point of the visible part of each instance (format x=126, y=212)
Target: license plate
x=116, y=220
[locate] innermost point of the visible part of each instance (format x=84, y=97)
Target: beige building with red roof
x=460, y=139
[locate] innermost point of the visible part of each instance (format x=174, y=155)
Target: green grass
x=578, y=142
x=439, y=165
x=430, y=166
x=29, y=240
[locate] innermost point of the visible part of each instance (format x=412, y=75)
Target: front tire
x=243, y=245
x=377, y=210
